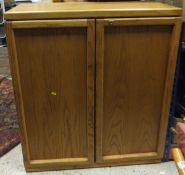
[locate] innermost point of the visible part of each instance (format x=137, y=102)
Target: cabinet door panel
x=53, y=69
x=135, y=66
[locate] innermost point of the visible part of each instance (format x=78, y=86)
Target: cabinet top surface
x=91, y=10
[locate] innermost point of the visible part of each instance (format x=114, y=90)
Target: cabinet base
x=95, y=165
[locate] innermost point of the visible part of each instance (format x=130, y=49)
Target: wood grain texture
x=91, y=10
x=17, y=90
x=45, y=167
x=132, y=63
x=174, y=45
x=56, y=76
x=49, y=23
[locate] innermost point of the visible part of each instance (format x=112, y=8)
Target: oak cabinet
x=92, y=90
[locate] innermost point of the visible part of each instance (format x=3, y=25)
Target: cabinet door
x=53, y=71
x=135, y=67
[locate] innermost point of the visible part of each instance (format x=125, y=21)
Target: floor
x=4, y=63
x=12, y=164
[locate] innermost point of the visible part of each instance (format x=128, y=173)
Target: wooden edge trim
x=173, y=52
x=133, y=156
x=83, y=165
x=17, y=90
x=101, y=13
x=49, y=23
x=99, y=87
x=59, y=161
x=140, y=21
x=90, y=86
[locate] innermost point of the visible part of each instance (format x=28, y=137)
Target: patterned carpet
x=9, y=129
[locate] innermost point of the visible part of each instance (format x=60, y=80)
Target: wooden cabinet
x=92, y=90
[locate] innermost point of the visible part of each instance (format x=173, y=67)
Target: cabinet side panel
x=53, y=76
x=135, y=65
x=16, y=86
